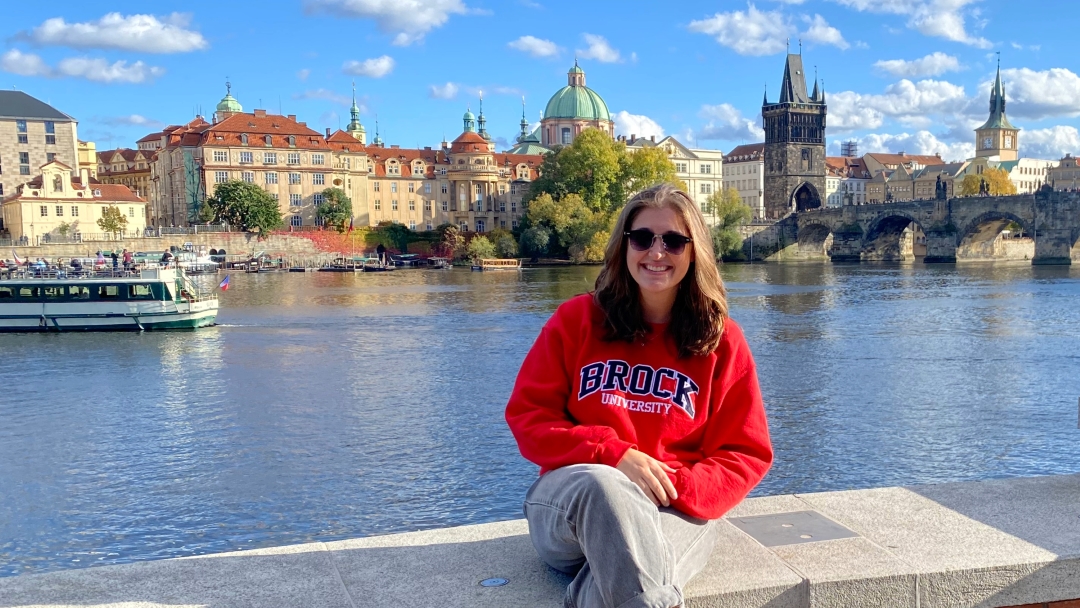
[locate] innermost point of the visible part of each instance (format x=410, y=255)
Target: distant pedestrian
x=100, y=260
x=115, y=259
x=128, y=259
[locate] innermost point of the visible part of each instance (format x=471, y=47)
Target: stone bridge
x=946, y=230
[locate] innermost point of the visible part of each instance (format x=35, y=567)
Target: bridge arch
x=894, y=236
x=804, y=198
x=815, y=241
x=982, y=239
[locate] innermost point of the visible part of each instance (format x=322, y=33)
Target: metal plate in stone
x=791, y=528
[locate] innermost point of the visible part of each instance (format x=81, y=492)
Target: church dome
x=229, y=103
x=576, y=100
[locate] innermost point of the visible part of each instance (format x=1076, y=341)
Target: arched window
x=566, y=138
x=244, y=138
x=292, y=140
x=479, y=161
x=269, y=140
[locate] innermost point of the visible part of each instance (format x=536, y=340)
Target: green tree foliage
x=336, y=210
x=730, y=212
x=391, y=234
x=534, y=241
x=112, y=220
x=245, y=206
x=506, y=246
x=206, y=214
x=642, y=169
x=63, y=229
x=480, y=248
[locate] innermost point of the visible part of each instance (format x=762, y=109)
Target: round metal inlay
x=493, y=582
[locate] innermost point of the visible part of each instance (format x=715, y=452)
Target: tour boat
x=497, y=264
x=150, y=299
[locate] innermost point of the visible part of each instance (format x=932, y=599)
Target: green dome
x=468, y=115
x=229, y=104
x=577, y=102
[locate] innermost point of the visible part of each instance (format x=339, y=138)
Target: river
x=327, y=406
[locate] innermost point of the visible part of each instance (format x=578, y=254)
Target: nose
x=656, y=250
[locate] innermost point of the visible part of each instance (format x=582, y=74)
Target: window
x=244, y=141
x=24, y=163
x=44, y=211
x=50, y=157
x=140, y=292
x=427, y=188
x=412, y=205
x=294, y=178
x=245, y=158
x=295, y=200
x=74, y=211
x=79, y=292
x=502, y=188
x=319, y=179
x=271, y=177
x=464, y=227
x=292, y=143
x=20, y=126
x=706, y=188
x=393, y=186
x=131, y=212
x=480, y=225
x=427, y=205
x=378, y=204
x=220, y=177
x=248, y=176
x=680, y=167
x=296, y=220
x=317, y=159
x=513, y=206
x=59, y=211
x=513, y=224
x=444, y=206
x=706, y=169
x=444, y=190
x=393, y=205
x=376, y=185
x=293, y=158
x=269, y=140
x=222, y=156
x=502, y=206
x=412, y=187
x=479, y=193
x=566, y=138
x=269, y=158
x=318, y=199
x=412, y=225
x=429, y=226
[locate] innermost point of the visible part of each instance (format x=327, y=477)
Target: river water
x=328, y=406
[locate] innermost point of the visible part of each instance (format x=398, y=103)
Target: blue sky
x=909, y=75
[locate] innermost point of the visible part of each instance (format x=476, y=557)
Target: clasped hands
x=650, y=475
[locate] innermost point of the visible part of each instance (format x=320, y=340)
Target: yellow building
x=126, y=167
x=55, y=204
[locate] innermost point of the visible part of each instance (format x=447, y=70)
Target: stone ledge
x=981, y=544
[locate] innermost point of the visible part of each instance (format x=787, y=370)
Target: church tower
x=997, y=137
x=355, y=128
x=794, y=144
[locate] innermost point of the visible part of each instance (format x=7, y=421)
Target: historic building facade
x=794, y=145
x=997, y=137
x=744, y=172
x=32, y=133
x=55, y=201
x=127, y=167
x=573, y=109
x=700, y=169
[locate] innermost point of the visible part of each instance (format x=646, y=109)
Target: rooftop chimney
x=260, y=113
x=84, y=177
x=633, y=136
x=292, y=117
x=652, y=138
x=328, y=131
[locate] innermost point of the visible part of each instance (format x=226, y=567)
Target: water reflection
x=333, y=405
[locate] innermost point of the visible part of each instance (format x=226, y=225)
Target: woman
x=641, y=406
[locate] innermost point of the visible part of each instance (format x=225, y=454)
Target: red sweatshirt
x=579, y=399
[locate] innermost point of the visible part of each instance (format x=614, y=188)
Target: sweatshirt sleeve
x=736, y=447
x=537, y=411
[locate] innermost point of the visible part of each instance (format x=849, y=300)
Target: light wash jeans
x=592, y=521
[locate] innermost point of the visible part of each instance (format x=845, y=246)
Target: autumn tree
x=969, y=186
x=336, y=209
x=245, y=206
x=450, y=240
x=1000, y=184
x=112, y=220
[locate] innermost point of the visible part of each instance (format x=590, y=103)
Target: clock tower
x=997, y=137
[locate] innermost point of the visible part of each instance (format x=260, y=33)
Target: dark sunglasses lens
x=640, y=239
x=674, y=243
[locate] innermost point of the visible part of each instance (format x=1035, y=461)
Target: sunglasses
x=642, y=239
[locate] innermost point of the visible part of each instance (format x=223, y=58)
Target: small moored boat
x=160, y=298
x=497, y=264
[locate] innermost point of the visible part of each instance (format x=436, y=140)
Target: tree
x=393, y=234
x=245, y=206
x=206, y=214
x=1000, y=184
x=451, y=240
x=112, y=220
x=730, y=212
x=969, y=186
x=63, y=229
x=505, y=245
x=480, y=248
x=336, y=209
x=534, y=241
x=642, y=169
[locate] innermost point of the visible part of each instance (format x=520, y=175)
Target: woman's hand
x=650, y=475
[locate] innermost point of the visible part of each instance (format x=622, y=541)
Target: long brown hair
x=697, y=318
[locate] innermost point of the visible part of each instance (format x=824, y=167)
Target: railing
x=57, y=239
x=196, y=229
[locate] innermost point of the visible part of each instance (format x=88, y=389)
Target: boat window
x=54, y=292
x=29, y=292
x=7, y=292
x=79, y=292
x=109, y=292
x=140, y=292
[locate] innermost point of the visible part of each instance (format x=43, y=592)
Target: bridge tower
x=794, y=144
x=997, y=136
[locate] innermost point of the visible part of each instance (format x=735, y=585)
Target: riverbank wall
x=989, y=544
x=232, y=242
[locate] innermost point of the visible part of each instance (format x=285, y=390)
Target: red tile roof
x=745, y=152
x=470, y=141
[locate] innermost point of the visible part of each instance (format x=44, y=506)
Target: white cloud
x=938, y=18
x=24, y=64
x=371, y=68
x=100, y=70
x=636, y=124
x=327, y=95
x=408, y=20
x=142, y=33
x=909, y=102
x=1049, y=93
x=933, y=64
x=821, y=32
x=920, y=142
x=752, y=32
x=847, y=113
x=537, y=47
x=303, y=74
x=445, y=91
x=599, y=49
x=132, y=120
x=1052, y=143
x=728, y=124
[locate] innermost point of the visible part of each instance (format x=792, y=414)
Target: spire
x=765, y=100
x=355, y=128
x=378, y=140
x=793, y=88
x=524, y=122
x=481, y=121
x=997, y=118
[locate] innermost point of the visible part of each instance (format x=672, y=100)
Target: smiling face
x=657, y=271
